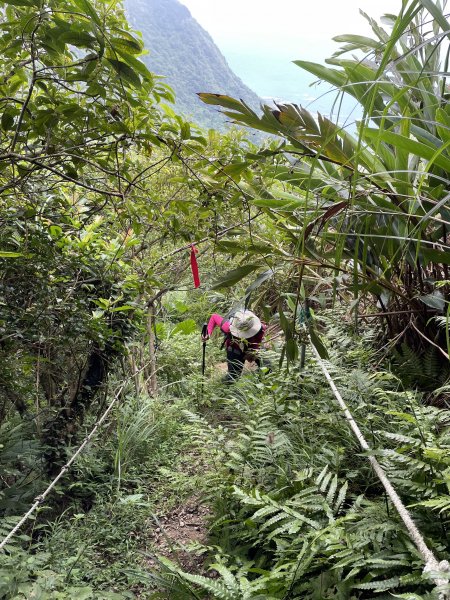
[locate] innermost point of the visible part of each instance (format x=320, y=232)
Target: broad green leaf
x=278, y=203
x=233, y=276
x=81, y=39
x=241, y=113
x=410, y=145
x=122, y=308
x=424, y=135
x=360, y=41
x=55, y=231
x=262, y=277
x=225, y=101
x=128, y=44
x=125, y=72
x=333, y=76
x=89, y=10
x=434, y=301
x=291, y=350
x=185, y=327
x=6, y=254
x=287, y=325
x=318, y=344
x=136, y=64
x=7, y=120
x=437, y=257
x=231, y=247
x=234, y=169
x=185, y=130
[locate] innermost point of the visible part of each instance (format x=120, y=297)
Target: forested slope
x=186, y=56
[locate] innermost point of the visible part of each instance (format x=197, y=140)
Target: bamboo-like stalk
x=152, y=382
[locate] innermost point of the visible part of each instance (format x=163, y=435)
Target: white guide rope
x=41, y=498
x=432, y=565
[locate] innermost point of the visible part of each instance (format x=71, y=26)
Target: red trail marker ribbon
x=194, y=266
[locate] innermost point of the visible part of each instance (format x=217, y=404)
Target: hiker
x=244, y=333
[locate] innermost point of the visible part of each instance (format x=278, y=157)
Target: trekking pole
x=305, y=317
x=204, y=334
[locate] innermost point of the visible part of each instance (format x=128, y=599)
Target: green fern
x=231, y=586
x=379, y=586
x=298, y=512
x=423, y=370
x=441, y=503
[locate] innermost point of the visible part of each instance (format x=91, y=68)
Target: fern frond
x=291, y=527
x=228, y=577
x=332, y=490
x=325, y=481
x=341, y=497
x=321, y=475
x=441, y=503
x=401, y=439
x=410, y=596
x=281, y=516
x=378, y=563
x=379, y=586
x=265, y=511
x=217, y=588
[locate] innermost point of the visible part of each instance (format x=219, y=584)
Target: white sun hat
x=244, y=324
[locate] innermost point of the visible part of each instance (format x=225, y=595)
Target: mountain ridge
x=187, y=57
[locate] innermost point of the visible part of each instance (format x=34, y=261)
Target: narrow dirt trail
x=222, y=367
x=171, y=534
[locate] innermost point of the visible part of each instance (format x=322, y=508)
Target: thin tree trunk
x=38, y=375
x=135, y=372
x=14, y=398
x=152, y=383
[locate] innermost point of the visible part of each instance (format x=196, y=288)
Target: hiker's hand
x=205, y=338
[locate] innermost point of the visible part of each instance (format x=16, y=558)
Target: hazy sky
x=296, y=28
x=261, y=38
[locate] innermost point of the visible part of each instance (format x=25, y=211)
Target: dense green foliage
x=295, y=508
x=297, y=511
x=372, y=205
x=102, y=192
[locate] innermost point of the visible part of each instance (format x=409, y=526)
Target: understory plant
x=297, y=510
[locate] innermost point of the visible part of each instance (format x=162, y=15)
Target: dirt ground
x=248, y=366
x=184, y=524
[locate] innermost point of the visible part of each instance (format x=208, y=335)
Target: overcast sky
x=294, y=28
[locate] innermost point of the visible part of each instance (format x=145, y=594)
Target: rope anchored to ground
x=44, y=494
x=438, y=570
